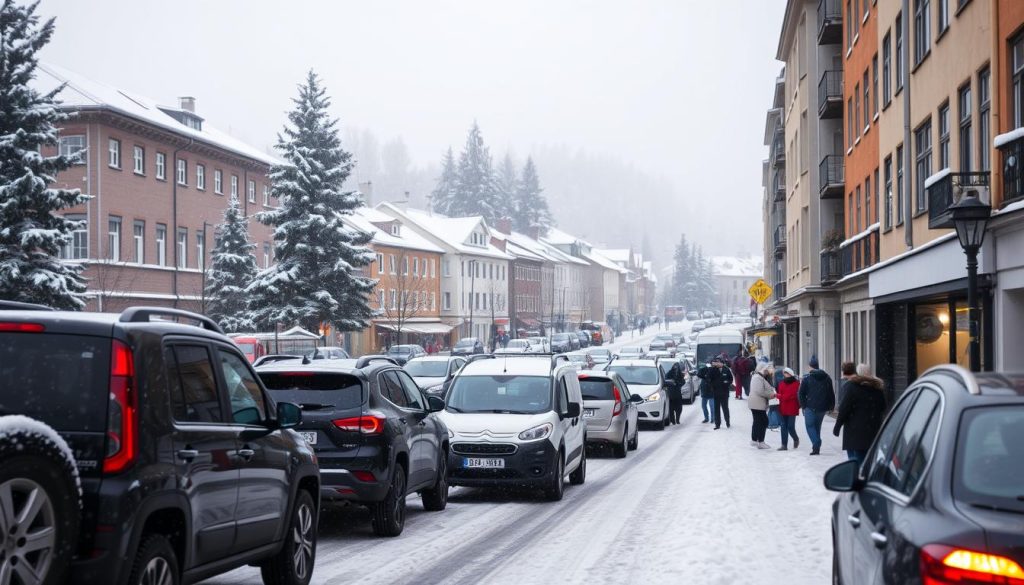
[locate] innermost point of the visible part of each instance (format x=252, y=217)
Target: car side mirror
x=843, y=477
x=288, y=415
x=636, y=399
x=573, y=410
x=434, y=404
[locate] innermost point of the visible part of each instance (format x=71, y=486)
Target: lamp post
x=970, y=218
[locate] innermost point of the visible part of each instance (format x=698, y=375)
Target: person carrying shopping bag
x=761, y=392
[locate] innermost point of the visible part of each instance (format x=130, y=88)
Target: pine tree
x=476, y=191
x=232, y=268
x=443, y=194
x=31, y=233
x=315, y=279
x=682, y=274
x=531, y=207
x=507, y=184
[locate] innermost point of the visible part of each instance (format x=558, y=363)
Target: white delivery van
x=714, y=341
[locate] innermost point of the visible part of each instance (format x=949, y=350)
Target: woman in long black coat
x=860, y=415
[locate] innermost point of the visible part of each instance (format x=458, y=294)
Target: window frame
x=922, y=164
x=223, y=392
x=964, y=97
x=160, y=166
x=984, y=119
x=139, y=241
x=913, y=394
x=161, y=244
x=922, y=30
x=81, y=235
x=114, y=153
x=250, y=191
x=886, y=70
x=887, y=222
x=181, y=172
x=65, y=148
x=218, y=181
x=234, y=186
x=115, y=238
x=171, y=344
x=899, y=46
x=138, y=160
x=181, y=249
x=200, y=177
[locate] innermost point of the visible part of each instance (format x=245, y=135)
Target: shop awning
x=527, y=322
x=763, y=331
x=420, y=328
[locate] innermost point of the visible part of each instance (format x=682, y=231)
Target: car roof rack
x=20, y=306
x=368, y=359
x=144, y=314
x=960, y=372
x=555, y=357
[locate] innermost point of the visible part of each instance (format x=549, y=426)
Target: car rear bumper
x=340, y=484
x=612, y=434
x=532, y=464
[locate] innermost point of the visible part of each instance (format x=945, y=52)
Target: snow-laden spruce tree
x=31, y=233
x=682, y=275
x=531, y=207
x=316, y=277
x=507, y=185
x=232, y=268
x=443, y=194
x=475, y=192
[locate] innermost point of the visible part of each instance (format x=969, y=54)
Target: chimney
x=534, y=233
x=504, y=225
x=367, y=190
x=187, y=103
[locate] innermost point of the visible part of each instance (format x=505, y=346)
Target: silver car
x=610, y=411
x=634, y=352
x=688, y=390
x=601, y=355
x=643, y=377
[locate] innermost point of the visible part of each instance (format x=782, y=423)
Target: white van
x=715, y=341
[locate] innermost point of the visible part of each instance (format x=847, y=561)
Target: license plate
x=310, y=438
x=481, y=463
x=588, y=412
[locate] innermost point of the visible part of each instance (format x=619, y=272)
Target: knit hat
x=762, y=367
x=789, y=372
x=814, y=362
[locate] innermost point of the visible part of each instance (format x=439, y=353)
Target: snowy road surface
x=692, y=505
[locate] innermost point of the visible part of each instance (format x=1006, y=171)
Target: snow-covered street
x=692, y=505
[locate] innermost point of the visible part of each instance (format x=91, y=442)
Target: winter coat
x=760, y=391
x=705, y=388
x=674, y=380
x=741, y=367
x=789, y=405
x=816, y=392
x=719, y=379
x=861, y=413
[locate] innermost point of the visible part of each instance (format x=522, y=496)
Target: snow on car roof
x=510, y=366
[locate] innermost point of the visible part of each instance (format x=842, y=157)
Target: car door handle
x=854, y=519
x=403, y=421
x=246, y=453
x=188, y=454
x=879, y=539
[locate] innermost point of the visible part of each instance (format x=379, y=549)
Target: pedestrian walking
x=860, y=413
x=817, y=398
x=848, y=370
x=707, y=400
x=761, y=392
x=741, y=371
x=787, y=388
x=674, y=380
x=719, y=378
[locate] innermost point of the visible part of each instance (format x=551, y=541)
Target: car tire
x=620, y=449
x=660, y=426
x=389, y=515
x=556, y=485
x=155, y=562
x=435, y=499
x=34, y=466
x=579, y=475
x=636, y=440
x=294, y=563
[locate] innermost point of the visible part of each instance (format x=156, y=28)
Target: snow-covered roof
x=536, y=247
x=616, y=255
x=733, y=266
x=81, y=92
x=604, y=262
x=364, y=219
x=649, y=271
x=518, y=251
x=557, y=237
x=453, y=232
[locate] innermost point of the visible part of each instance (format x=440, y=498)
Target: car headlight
x=536, y=433
x=435, y=389
x=654, y=397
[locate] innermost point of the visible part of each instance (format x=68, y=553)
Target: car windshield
x=314, y=390
x=643, y=375
x=517, y=343
x=631, y=350
x=706, y=351
x=401, y=349
x=577, y=358
x=988, y=472
x=500, y=394
x=597, y=389
x=560, y=337
x=247, y=347
x=468, y=342
x=427, y=368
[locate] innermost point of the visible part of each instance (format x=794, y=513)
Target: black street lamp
x=970, y=218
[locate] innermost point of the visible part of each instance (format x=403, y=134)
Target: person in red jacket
x=789, y=407
x=742, y=368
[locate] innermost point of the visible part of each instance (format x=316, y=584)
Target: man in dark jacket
x=817, y=398
x=860, y=415
x=719, y=378
x=674, y=381
x=707, y=400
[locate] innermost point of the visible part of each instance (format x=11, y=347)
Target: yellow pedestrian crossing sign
x=760, y=291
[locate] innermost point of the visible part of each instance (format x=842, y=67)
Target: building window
x=899, y=52
x=849, y=24
x=856, y=213
x=433, y=301
x=161, y=166
x=923, y=148
x=899, y=184
x=139, y=237
x=873, y=209
x=200, y=177
x=394, y=299
x=201, y=249
x=867, y=202
x=139, y=160
x=182, y=172
x=943, y=15
x=252, y=192
x=886, y=70
x=446, y=301
x=849, y=122
x=266, y=255
x=1018, y=81
x=114, y=153
x=415, y=266
x=71, y=147
x=405, y=266
x=395, y=230
x=161, y=244
x=964, y=101
x=234, y=186
x=446, y=268
x=433, y=269
x=380, y=263
x=218, y=182
x=114, y=238
x=266, y=195
x=182, y=247
x=391, y=264
x=874, y=84
x=888, y=192
x=922, y=29
x=944, y=136
x=984, y=121
x=867, y=100
x=78, y=247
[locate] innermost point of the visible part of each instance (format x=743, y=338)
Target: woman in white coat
x=761, y=391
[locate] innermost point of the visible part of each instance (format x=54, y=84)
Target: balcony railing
x=832, y=176
x=830, y=22
x=860, y=253
x=830, y=94
x=948, y=190
x=831, y=271
x=780, y=240
x=778, y=187
x=779, y=148
x=1012, y=155
x=779, y=291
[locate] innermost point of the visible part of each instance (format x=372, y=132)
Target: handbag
x=773, y=402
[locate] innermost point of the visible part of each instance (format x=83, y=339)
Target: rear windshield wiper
x=315, y=406
x=995, y=508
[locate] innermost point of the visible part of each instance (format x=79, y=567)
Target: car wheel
x=620, y=449
x=155, y=563
x=636, y=440
x=556, y=485
x=39, y=508
x=579, y=475
x=389, y=515
x=435, y=499
x=293, y=564
x=660, y=426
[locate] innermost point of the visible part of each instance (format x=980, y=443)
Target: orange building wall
x=863, y=160
x=1009, y=23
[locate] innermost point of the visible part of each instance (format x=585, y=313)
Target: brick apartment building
x=160, y=178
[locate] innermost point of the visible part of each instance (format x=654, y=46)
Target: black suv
x=375, y=434
x=187, y=468
x=940, y=496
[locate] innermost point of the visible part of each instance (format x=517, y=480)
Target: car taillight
x=121, y=423
x=367, y=425
x=21, y=328
x=942, y=565
x=617, y=409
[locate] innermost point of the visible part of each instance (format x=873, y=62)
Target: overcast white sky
x=677, y=87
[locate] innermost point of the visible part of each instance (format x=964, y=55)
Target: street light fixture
x=970, y=218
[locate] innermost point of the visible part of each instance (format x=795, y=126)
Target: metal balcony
x=1012, y=156
x=948, y=190
x=780, y=241
x=779, y=150
x=830, y=22
x=831, y=269
x=832, y=176
x=779, y=291
x=860, y=254
x=830, y=95
x=778, y=187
